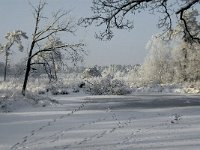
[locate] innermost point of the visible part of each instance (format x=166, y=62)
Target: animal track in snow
x=25, y=139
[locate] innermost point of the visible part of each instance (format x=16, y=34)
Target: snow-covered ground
x=136, y=122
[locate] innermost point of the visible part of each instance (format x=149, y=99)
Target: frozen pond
x=142, y=122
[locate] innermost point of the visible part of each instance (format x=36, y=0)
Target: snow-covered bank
x=144, y=122
x=187, y=88
x=11, y=102
x=40, y=90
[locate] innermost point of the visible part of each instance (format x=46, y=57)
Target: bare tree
x=116, y=14
x=45, y=41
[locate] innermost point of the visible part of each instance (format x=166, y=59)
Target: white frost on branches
x=176, y=60
x=13, y=38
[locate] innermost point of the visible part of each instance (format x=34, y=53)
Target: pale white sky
x=127, y=47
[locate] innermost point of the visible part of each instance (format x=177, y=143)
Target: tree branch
x=188, y=6
x=181, y=14
x=56, y=47
x=115, y=13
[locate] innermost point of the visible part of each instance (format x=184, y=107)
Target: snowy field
x=137, y=122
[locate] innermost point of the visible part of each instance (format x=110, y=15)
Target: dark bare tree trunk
x=6, y=61
x=54, y=67
x=6, y=65
x=185, y=64
x=28, y=68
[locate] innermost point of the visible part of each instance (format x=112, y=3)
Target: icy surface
x=140, y=122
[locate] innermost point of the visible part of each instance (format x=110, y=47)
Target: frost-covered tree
x=44, y=44
x=185, y=61
x=157, y=65
x=186, y=54
x=11, y=39
x=176, y=60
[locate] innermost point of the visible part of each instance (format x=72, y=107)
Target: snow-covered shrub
x=91, y=72
x=66, y=84
x=118, y=87
x=57, y=88
x=192, y=88
x=59, y=92
x=107, y=86
x=134, y=77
